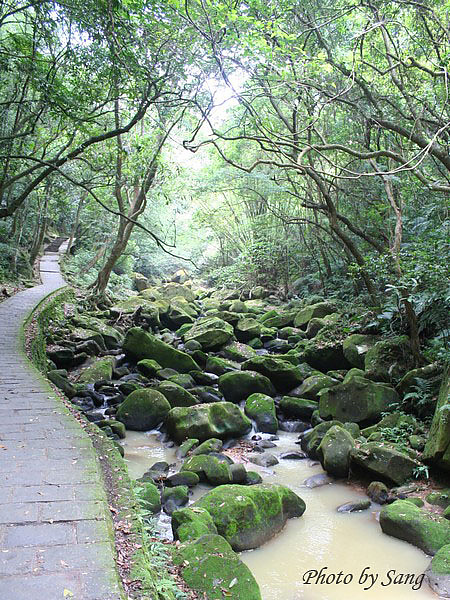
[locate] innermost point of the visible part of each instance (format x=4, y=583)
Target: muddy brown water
x=324, y=555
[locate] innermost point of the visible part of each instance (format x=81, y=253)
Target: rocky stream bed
x=261, y=409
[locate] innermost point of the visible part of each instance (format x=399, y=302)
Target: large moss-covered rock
x=111, y=336
x=395, y=419
x=148, y=309
x=311, y=440
x=210, y=332
x=438, y=573
x=148, y=367
x=389, y=360
x=334, y=451
x=437, y=448
x=209, y=566
x=358, y=401
x=172, y=290
x=189, y=524
x=355, y=348
x=408, y=522
x=252, y=515
x=238, y=352
x=319, y=310
x=239, y=385
x=312, y=385
x=261, y=409
x=209, y=468
x=212, y=445
x=100, y=370
x=139, y=344
x=281, y=373
x=247, y=329
x=143, y=410
x=278, y=319
x=300, y=408
x=219, y=366
x=214, y=420
x=382, y=460
x=176, y=395
x=149, y=497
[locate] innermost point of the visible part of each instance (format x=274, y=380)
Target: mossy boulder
x=441, y=498
x=189, y=524
x=389, y=360
x=177, y=395
x=148, y=309
x=212, y=445
x=319, y=310
x=261, y=409
x=239, y=385
x=214, y=420
x=334, y=451
x=172, y=290
x=116, y=427
x=312, y=385
x=253, y=515
x=438, y=573
x=209, y=566
x=101, y=369
x=59, y=377
x=238, y=352
x=408, y=522
x=382, y=460
x=355, y=348
x=358, y=401
x=247, y=329
x=395, y=419
x=188, y=478
x=139, y=344
x=211, y=332
x=209, y=469
x=311, y=440
x=281, y=373
x=149, y=497
x=143, y=410
x=437, y=448
x=148, y=367
x=300, y=408
x=111, y=336
x=277, y=319
x=219, y=366
x=173, y=498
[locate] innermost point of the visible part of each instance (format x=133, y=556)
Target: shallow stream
x=322, y=538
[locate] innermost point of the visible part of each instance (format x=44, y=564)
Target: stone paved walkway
x=54, y=519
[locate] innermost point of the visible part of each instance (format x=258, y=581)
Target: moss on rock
x=209, y=566
x=261, y=408
x=239, y=385
x=139, y=344
x=405, y=521
x=214, y=420
x=143, y=410
x=253, y=515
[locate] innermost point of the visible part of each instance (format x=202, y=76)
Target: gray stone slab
x=17, y=561
x=72, y=510
x=42, y=587
x=20, y=512
x=35, y=534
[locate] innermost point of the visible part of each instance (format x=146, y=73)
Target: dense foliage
x=326, y=172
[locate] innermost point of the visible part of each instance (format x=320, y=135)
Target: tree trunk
x=75, y=223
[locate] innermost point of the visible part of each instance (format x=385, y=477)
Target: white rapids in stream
x=350, y=544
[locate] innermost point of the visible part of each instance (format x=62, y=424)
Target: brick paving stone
x=54, y=519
